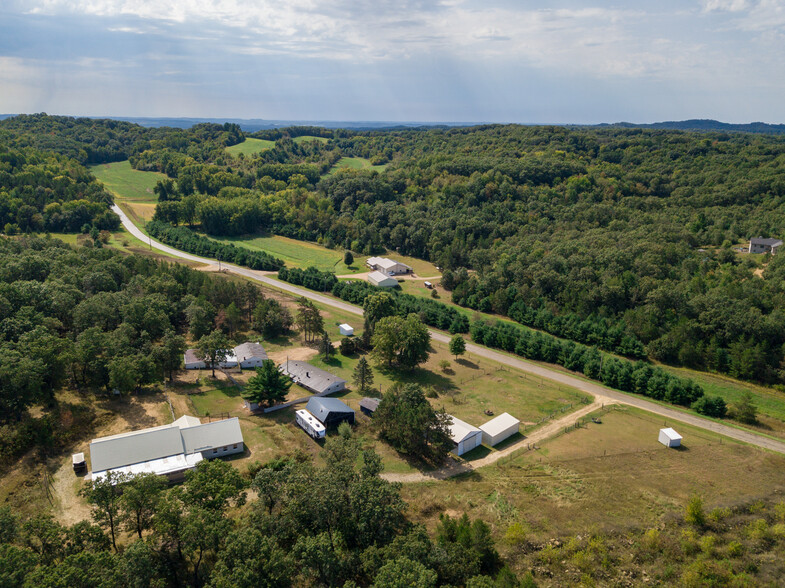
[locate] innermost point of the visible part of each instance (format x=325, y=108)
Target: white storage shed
x=250, y=355
x=346, y=330
x=379, y=280
x=465, y=436
x=498, y=429
x=670, y=438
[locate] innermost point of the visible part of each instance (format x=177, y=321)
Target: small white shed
x=670, y=438
x=346, y=330
x=465, y=436
x=498, y=429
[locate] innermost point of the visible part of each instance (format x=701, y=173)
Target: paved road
x=596, y=390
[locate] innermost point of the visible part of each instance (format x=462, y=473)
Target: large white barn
x=387, y=266
x=380, y=280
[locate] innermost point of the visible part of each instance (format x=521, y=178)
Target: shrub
x=695, y=515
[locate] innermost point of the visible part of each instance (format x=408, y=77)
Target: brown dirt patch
x=298, y=353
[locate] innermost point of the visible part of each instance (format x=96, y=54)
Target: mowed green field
x=354, y=163
x=307, y=138
x=607, y=476
x=300, y=254
x=127, y=183
x=250, y=146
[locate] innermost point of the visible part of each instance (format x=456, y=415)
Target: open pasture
x=250, y=146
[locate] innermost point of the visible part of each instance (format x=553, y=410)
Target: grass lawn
x=307, y=138
x=300, y=254
x=355, y=163
x=607, y=476
x=250, y=146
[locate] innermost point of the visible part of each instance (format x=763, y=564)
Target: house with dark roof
x=316, y=380
x=331, y=412
x=169, y=450
x=761, y=245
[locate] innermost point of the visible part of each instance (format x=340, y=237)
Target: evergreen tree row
x=186, y=240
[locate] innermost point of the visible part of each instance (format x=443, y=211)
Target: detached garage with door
x=497, y=430
x=331, y=412
x=465, y=436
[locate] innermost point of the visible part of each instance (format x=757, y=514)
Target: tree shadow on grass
x=467, y=363
x=420, y=376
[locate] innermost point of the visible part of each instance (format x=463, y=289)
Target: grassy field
x=609, y=477
x=300, y=254
x=132, y=188
x=307, y=138
x=354, y=163
x=250, y=146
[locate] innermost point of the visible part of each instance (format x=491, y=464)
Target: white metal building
x=169, y=450
x=346, y=330
x=193, y=361
x=498, y=429
x=380, y=280
x=670, y=438
x=387, y=266
x=465, y=436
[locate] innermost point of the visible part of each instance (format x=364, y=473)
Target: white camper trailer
x=310, y=424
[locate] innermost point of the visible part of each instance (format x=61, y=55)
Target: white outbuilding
x=379, y=280
x=346, y=330
x=670, y=438
x=250, y=355
x=465, y=436
x=498, y=429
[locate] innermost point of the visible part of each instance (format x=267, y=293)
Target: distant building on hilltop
x=761, y=245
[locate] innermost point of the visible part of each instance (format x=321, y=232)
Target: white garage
x=670, y=438
x=498, y=429
x=379, y=280
x=465, y=436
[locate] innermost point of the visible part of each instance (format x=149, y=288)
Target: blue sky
x=396, y=60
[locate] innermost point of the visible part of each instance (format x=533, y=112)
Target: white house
x=465, y=436
x=318, y=381
x=498, y=429
x=670, y=438
x=387, y=266
x=761, y=245
x=380, y=280
x=193, y=361
x=169, y=450
x=250, y=355
x=346, y=330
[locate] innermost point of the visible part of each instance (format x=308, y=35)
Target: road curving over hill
x=597, y=390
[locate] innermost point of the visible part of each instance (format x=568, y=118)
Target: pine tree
x=326, y=346
x=363, y=375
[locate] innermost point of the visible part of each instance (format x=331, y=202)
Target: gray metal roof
x=247, y=350
x=370, y=403
x=211, y=435
x=767, y=241
x=192, y=356
x=309, y=376
x=321, y=406
x=146, y=445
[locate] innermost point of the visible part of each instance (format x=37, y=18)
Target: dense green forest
x=624, y=231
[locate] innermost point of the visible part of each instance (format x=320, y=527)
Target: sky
x=522, y=61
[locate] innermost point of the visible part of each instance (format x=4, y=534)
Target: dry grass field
x=604, y=477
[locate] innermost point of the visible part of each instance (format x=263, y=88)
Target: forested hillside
x=624, y=230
